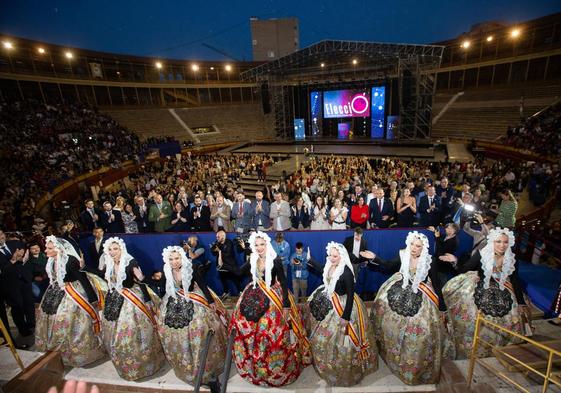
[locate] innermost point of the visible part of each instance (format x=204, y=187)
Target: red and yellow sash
x=429, y=293
x=131, y=297
x=220, y=308
x=84, y=305
x=295, y=321
x=100, y=296
x=359, y=339
x=507, y=284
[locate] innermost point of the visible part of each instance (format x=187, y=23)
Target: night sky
x=177, y=29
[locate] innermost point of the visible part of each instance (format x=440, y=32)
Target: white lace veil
x=64, y=250
x=423, y=263
x=345, y=261
x=269, y=258
x=186, y=270
x=488, y=257
x=121, y=274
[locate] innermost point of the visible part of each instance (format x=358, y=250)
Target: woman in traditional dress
x=270, y=345
x=129, y=325
x=68, y=319
x=342, y=340
x=489, y=284
x=408, y=315
x=188, y=312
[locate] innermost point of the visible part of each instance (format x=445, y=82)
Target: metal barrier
x=477, y=340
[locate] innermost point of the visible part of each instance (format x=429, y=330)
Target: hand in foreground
x=72, y=386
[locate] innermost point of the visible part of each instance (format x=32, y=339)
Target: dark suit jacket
x=116, y=226
x=12, y=275
x=141, y=219
x=448, y=246
x=87, y=220
x=349, y=242
x=376, y=215
x=202, y=223
x=432, y=218
x=94, y=256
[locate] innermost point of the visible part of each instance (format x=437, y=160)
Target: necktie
x=430, y=201
x=380, y=205
x=6, y=251
x=241, y=209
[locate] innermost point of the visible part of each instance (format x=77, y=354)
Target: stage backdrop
x=147, y=250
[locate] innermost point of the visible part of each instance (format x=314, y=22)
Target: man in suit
x=183, y=198
x=459, y=213
x=220, y=214
x=199, y=216
x=260, y=211
x=380, y=210
x=280, y=213
x=241, y=213
x=446, y=194
x=95, y=250
x=111, y=220
x=429, y=208
x=16, y=290
x=355, y=245
x=89, y=217
x=160, y=214
x=140, y=210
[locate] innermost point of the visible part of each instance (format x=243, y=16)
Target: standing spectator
x=359, y=214
x=280, y=213
x=129, y=219
x=160, y=214
x=354, y=245
x=445, y=245
x=462, y=209
x=299, y=267
x=406, y=209
x=338, y=215
x=199, y=216
x=300, y=217
x=227, y=266
x=319, y=215
x=89, y=217
x=446, y=193
x=179, y=219
x=95, y=249
x=141, y=213
x=429, y=208
x=381, y=210
x=111, y=220
x=220, y=214
x=506, y=216
x=36, y=265
x=260, y=211
x=479, y=235
x=183, y=198
x=241, y=213
x=282, y=248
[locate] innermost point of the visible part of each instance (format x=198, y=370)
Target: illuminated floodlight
x=490, y=38
x=41, y=50
x=355, y=61
x=7, y=45
x=466, y=44
x=195, y=67
x=322, y=65
x=159, y=65
x=68, y=55
x=514, y=33
x=228, y=67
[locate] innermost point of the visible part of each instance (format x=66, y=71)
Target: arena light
x=515, y=33
x=158, y=65
x=228, y=67
x=68, y=55
x=490, y=38
x=355, y=61
x=195, y=67
x=7, y=45
x=41, y=50
x=466, y=44
x=212, y=68
x=322, y=65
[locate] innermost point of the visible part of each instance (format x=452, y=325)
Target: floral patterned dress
x=129, y=329
x=269, y=350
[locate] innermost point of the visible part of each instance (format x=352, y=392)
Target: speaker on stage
x=265, y=99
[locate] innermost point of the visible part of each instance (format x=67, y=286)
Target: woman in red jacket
x=359, y=214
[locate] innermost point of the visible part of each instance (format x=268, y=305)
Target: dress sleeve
x=472, y=264
x=315, y=266
x=349, y=284
x=201, y=282
x=390, y=266
x=73, y=270
x=437, y=287
x=279, y=272
x=515, y=281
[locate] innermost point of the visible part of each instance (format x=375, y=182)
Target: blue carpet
x=541, y=284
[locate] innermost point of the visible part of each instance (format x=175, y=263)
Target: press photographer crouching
x=228, y=269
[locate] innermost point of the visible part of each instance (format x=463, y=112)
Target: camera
x=243, y=238
x=215, y=246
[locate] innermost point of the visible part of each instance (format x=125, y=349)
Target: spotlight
x=355, y=61
x=490, y=38
x=41, y=50
x=466, y=44
x=68, y=55
x=7, y=45
x=195, y=67
x=514, y=33
x=322, y=65
x=228, y=67
x=212, y=68
x=158, y=65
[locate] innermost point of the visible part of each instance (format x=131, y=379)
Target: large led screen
x=346, y=103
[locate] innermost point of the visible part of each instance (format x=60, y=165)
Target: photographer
x=298, y=262
x=196, y=253
x=282, y=248
x=479, y=236
x=228, y=269
x=462, y=209
x=445, y=245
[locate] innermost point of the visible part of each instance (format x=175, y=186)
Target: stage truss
x=414, y=66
